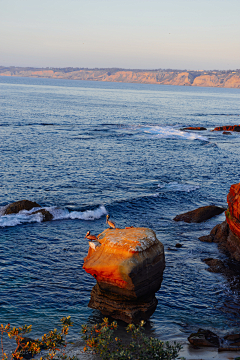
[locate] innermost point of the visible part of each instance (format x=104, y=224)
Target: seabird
x=90, y=237
x=110, y=223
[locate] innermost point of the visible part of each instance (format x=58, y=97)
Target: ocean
x=83, y=149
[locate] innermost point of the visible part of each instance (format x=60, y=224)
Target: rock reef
x=128, y=267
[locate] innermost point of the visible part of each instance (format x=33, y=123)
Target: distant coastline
x=208, y=78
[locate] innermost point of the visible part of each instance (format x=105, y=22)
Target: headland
x=208, y=78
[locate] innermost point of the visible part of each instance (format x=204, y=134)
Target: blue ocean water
x=83, y=149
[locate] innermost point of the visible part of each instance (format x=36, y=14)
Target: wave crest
x=25, y=216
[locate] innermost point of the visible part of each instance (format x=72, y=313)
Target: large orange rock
x=233, y=212
x=128, y=267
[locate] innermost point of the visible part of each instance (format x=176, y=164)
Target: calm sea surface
x=83, y=149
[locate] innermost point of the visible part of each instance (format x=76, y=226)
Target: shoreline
x=198, y=78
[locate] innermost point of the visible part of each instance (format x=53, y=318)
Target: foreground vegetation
x=99, y=339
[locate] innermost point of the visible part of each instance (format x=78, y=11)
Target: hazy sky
x=149, y=34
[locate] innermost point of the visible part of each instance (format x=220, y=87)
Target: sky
x=132, y=34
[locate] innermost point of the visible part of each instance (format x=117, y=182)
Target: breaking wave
x=25, y=216
x=175, y=186
x=168, y=132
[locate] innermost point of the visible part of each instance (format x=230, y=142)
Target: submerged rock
x=201, y=214
x=128, y=267
x=17, y=206
x=228, y=128
x=47, y=216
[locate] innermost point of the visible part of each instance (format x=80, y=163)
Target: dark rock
x=201, y=214
x=233, y=339
x=206, y=238
x=204, y=338
x=220, y=232
x=198, y=128
x=215, y=265
x=227, y=133
x=226, y=239
x=47, y=216
x=130, y=311
x=178, y=245
x=228, y=128
x=17, y=206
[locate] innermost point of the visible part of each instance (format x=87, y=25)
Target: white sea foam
x=168, y=132
x=25, y=216
x=175, y=186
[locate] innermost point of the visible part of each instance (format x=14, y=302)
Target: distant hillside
x=215, y=78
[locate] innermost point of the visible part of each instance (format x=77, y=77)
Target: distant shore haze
x=208, y=78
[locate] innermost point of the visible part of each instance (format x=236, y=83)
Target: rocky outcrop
x=46, y=215
x=18, y=206
x=201, y=214
x=227, y=234
x=198, y=128
x=128, y=267
x=233, y=212
x=215, y=265
x=228, y=128
x=204, y=338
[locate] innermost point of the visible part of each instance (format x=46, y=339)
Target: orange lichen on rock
x=128, y=266
x=233, y=212
x=122, y=251
x=228, y=128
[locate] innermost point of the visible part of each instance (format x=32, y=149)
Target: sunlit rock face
x=233, y=213
x=228, y=128
x=233, y=220
x=227, y=234
x=128, y=267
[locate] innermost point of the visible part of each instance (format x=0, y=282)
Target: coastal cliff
x=216, y=78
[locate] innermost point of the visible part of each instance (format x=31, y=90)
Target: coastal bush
x=53, y=343
x=101, y=339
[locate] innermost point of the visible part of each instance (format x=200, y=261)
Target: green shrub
x=100, y=339
x=54, y=342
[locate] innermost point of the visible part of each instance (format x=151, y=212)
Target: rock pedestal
x=128, y=267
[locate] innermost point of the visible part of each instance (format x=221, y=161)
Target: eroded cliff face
x=230, y=79
x=128, y=266
x=233, y=212
x=227, y=234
